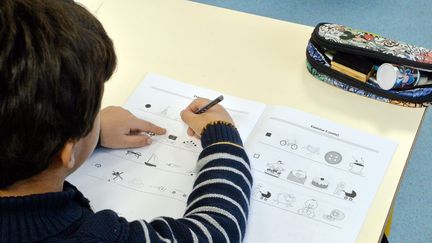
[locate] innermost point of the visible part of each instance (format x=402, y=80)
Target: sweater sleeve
x=217, y=208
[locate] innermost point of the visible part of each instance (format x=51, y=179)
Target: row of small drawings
x=162, y=190
x=153, y=161
x=174, y=140
x=166, y=111
x=308, y=209
x=300, y=176
x=140, y=185
x=331, y=157
x=355, y=167
x=171, y=191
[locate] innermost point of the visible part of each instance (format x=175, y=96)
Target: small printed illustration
x=257, y=189
x=189, y=144
x=357, y=166
x=192, y=172
x=275, y=169
x=309, y=209
x=179, y=193
x=133, y=153
x=334, y=215
x=320, y=182
x=173, y=165
x=265, y=196
x=292, y=144
x=170, y=191
x=181, y=168
x=171, y=139
x=350, y=195
x=333, y=157
x=268, y=134
x=161, y=188
x=116, y=175
x=342, y=190
x=148, y=106
x=136, y=182
x=298, y=176
x=164, y=112
x=285, y=199
x=259, y=193
x=152, y=161
x=312, y=150
x=98, y=165
x=256, y=156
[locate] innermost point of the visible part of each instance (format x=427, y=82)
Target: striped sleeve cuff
x=220, y=132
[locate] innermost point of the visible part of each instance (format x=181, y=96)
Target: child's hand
x=121, y=129
x=197, y=122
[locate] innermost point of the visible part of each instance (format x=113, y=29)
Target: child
x=54, y=59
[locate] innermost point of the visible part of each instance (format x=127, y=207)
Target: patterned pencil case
x=371, y=65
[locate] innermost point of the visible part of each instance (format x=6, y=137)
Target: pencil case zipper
x=364, y=86
x=322, y=42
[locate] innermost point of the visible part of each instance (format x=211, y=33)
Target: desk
x=250, y=57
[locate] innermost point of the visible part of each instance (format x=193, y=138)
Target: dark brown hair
x=54, y=58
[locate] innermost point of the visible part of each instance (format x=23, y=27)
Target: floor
x=408, y=21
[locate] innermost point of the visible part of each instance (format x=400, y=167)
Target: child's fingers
x=187, y=116
x=135, y=141
x=138, y=125
x=197, y=104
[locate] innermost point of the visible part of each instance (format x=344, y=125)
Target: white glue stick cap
x=387, y=75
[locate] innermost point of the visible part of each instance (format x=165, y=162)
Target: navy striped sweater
x=217, y=208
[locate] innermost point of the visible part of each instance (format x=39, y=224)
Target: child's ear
x=66, y=155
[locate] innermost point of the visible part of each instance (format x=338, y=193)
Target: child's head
x=54, y=59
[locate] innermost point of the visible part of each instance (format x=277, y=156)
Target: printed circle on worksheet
x=333, y=157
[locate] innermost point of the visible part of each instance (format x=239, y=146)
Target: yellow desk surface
x=251, y=57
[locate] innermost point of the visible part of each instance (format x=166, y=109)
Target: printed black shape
x=350, y=195
x=136, y=154
x=265, y=196
x=117, y=175
x=189, y=143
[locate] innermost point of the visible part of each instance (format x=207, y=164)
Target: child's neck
x=49, y=180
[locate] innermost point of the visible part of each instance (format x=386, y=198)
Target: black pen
x=209, y=105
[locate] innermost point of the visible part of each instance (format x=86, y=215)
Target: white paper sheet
x=156, y=180
x=314, y=179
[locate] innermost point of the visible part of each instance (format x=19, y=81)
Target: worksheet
x=156, y=180
x=314, y=180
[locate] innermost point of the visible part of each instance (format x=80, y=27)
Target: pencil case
x=359, y=62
